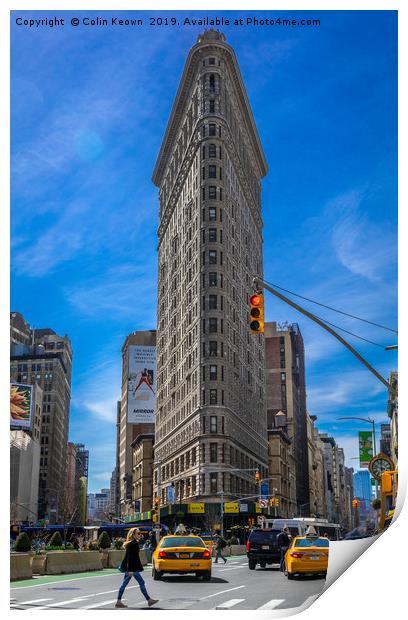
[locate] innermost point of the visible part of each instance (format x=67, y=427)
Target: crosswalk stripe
x=100, y=604
x=222, y=592
x=62, y=603
x=37, y=600
x=272, y=603
x=224, y=570
x=231, y=603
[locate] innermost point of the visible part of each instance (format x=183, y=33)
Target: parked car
x=262, y=548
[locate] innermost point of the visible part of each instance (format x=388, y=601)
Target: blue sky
x=89, y=110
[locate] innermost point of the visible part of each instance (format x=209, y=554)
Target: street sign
x=171, y=494
x=263, y=503
x=264, y=490
x=243, y=508
x=231, y=507
x=260, y=519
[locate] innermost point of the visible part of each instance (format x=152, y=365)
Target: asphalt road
x=233, y=586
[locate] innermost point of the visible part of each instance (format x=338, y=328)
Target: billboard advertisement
x=21, y=405
x=365, y=442
x=141, y=384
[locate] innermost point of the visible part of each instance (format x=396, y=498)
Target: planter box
x=39, y=564
x=64, y=562
x=115, y=557
x=20, y=566
x=238, y=550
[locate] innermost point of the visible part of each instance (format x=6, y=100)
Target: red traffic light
x=255, y=300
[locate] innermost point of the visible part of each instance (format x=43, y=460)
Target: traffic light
x=155, y=511
x=257, y=476
x=355, y=503
x=256, y=313
x=274, y=501
x=251, y=521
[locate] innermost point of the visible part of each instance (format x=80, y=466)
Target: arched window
x=212, y=82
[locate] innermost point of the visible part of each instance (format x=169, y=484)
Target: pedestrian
x=283, y=540
x=220, y=544
x=131, y=566
x=152, y=542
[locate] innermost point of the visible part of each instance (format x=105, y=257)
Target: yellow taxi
x=307, y=554
x=181, y=554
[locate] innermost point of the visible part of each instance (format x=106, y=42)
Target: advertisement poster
x=20, y=405
x=365, y=442
x=141, y=384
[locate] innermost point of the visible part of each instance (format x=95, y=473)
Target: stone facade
x=286, y=392
x=210, y=404
x=142, y=483
x=45, y=358
x=127, y=433
x=281, y=466
x=317, y=501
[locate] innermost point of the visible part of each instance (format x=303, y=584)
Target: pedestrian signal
x=257, y=477
x=355, y=503
x=256, y=313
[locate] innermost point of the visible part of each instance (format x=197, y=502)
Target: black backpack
x=223, y=543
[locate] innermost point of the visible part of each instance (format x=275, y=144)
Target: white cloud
x=336, y=391
x=100, y=389
x=363, y=247
x=121, y=293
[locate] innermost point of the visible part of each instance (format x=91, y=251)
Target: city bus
x=299, y=525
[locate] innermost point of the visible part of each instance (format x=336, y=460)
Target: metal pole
x=325, y=326
x=222, y=513
x=158, y=491
x=375, y=453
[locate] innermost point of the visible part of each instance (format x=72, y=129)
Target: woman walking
x=132, y=567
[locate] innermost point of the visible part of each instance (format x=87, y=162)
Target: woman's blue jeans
x=139, y=580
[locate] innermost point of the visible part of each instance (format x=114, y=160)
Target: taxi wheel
x=290, y=575
x=251, y=564
x=207, y=575
x=156, y=574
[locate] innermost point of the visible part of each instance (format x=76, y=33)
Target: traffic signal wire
x=351, y=333
x=353, y=316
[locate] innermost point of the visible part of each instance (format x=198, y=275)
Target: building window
x=213, y=397
x=213, y=348
x=212, y=234
x=213, y=482
x=213, y=424
x=212, y=106
x=212, y=150
x=211, y=61
x=212, y=192
x=213, y=452
x=212, y=172
x=203, y=173
x=212, y=213
x=212, y=301
x=212, y=325
x=283, y=376
x=212, y=278
x=212, y=257
x=213, y=373
x=212, y=82
x=211, y=130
